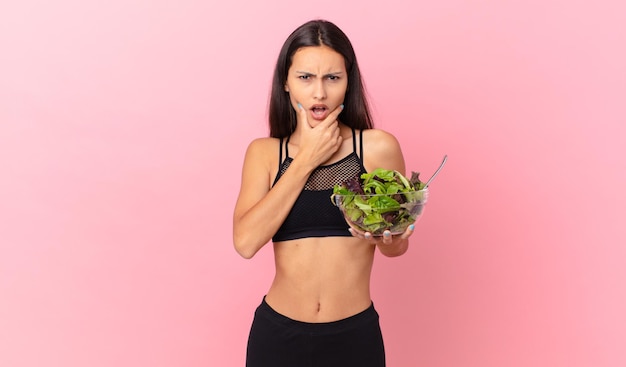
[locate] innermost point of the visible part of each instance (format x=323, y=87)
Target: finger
x=356, y=233
x=332, y=117
x=387, y=237
x=409, y=231
x=302, y=115
x=336, y=112
x=333, y=126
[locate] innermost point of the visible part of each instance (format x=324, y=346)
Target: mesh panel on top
x=326, y=177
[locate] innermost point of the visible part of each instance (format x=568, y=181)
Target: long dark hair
x=282, y=117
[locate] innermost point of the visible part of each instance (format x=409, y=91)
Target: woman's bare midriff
x=321, y=279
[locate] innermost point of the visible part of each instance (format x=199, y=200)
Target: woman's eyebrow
x=313, y=74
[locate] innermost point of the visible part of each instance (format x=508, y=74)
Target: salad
x=381, y=200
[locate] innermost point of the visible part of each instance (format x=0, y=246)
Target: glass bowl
x=376, y=213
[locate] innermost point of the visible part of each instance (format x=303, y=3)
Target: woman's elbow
x=245, y=247
x=245, y=254
x=242, y=250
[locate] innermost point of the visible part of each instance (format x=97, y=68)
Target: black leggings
x=278, y=341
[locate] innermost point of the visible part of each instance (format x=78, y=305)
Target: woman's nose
x=320, y=90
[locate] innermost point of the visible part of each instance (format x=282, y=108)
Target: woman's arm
x=261, y=208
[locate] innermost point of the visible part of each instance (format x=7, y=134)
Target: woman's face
x=317, y=79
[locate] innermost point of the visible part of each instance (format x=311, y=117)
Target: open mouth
x=319, y=112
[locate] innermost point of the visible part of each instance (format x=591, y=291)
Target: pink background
x=123, y=126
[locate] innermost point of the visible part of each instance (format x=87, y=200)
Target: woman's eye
x=333, y=77
x=304, y=77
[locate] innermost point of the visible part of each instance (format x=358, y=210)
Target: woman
x=318, y=310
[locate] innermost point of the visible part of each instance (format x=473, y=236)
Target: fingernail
x=367, y=235
x=341, y=106
x=386, y=234
x=412, y=227
x=299, y=105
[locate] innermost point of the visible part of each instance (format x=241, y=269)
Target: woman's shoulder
x=263, y=151
x=377, y=138
x=381, y=150
x=260, y=145
x=261, y=160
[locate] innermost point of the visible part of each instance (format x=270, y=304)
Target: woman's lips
x=319, y=112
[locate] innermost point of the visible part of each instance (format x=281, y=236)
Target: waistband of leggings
x=367, y=315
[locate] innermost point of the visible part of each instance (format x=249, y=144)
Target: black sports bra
x=313, y=214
